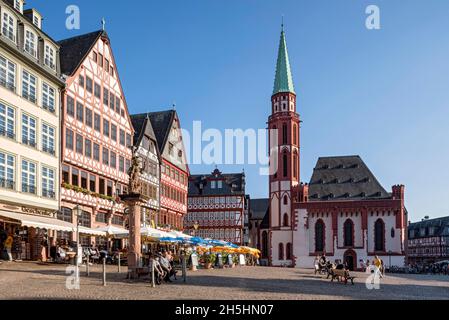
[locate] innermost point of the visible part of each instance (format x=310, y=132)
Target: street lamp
x=78, y=211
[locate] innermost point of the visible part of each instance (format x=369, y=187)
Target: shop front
x=28, y=233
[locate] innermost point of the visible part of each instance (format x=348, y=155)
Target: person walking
x=378, y=264
x=8, y=246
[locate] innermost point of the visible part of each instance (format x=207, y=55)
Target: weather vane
x=103, y=23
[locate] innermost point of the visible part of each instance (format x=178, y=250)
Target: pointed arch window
x=319, y=236
x=288, y=251
x=285, y=220
x=379, y=235
x=285, y=200
x=281, y=251
x=285, y=164
x=284, y=133
x=348, y=230
x=295, y=166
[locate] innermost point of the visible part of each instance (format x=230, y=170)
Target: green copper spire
x=284, y=80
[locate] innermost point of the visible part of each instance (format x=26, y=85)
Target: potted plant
x=208, y=259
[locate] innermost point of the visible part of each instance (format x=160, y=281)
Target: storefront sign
x=39, y=212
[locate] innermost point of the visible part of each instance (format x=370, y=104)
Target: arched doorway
x=350, y=259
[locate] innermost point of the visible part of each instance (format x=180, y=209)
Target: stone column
x=133, y=203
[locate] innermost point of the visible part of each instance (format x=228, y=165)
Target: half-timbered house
x=96, y=134
x=174, y=170
x=146, y=148
x=216, y=206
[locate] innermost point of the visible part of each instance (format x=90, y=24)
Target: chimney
x=34, y=16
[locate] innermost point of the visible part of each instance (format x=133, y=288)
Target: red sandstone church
x=342, y=212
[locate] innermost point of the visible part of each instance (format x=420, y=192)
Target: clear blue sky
x=381, y=94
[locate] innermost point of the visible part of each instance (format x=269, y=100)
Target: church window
x=285, y=164
x=319, y=236
x=295, y=136
x=348, y=229
x=281, y=251
x=288, y=251
x=285, y=200
x=379, y=235
x=285, y=224
x=284, y=133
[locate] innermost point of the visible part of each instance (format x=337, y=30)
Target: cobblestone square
x=35, y=281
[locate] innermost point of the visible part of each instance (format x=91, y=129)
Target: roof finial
x=282, y=24
x=174, y=105
x=103, y=23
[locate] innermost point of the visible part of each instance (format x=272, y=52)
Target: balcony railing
x=49, y=150
x=8, y=85
x=28, y=188
x=7, y=133
x=31, y=143
x=7, y=184
x=48, y=194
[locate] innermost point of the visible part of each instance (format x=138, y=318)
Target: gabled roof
x=283, y=81
x=344, y=178
x=258, y=208
x=265, y=224
x=440, y=228
x=74, y=50
x=162, y=122
x=233, y=183
x=142, y=126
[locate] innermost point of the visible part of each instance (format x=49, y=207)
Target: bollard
x=119, y=262
x=104, y=272
x=87, y=265
x=153, y=284
x=184, y=268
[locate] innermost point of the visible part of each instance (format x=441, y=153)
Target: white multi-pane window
x=29, y=86
x=48, y=97
x=31, y=43
x=7, y=168
x=28, y=130
x=7, y=121
x=49, y=58
x=7, y=73
x=48, y=139
x=48, y=183
x=8, y=24
x=28, y=177
x=18, y=5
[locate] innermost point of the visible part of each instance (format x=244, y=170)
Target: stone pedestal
x=133, y=204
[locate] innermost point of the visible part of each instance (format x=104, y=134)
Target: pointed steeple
x=283, y=81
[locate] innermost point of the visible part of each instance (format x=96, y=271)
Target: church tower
x=284, y=127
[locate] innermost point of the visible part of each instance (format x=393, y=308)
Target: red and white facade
x=96, y=140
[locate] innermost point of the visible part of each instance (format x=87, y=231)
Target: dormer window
x=219, y=184
x=18, y=5
x=8, y=24
x=49, y=57
x=213, y=184
x=30, y=43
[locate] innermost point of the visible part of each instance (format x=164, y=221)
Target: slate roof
x=161, y=122
x=142, y=125
x=233, y=183
x=258, y=208
x=344, y=178
x=440, y=225
x=265, y=224
x=74, y=50
x=283, y=81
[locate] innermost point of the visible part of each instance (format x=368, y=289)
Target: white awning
x=112, y=230
x=92, y=232
x=38, y=221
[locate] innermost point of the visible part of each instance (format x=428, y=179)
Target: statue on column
x=134, y=172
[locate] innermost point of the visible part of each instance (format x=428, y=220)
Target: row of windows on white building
x=8, y=79
x=29, y=176
x=9, y=122
x=31, y=39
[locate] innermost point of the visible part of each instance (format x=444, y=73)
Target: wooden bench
x=342, y=274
